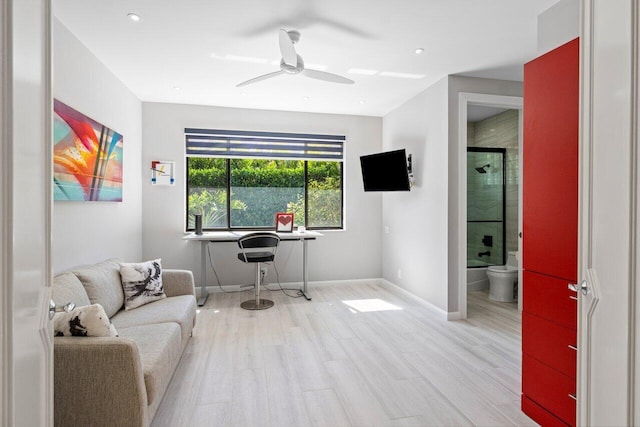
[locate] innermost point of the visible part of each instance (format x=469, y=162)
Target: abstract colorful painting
x=87, y=158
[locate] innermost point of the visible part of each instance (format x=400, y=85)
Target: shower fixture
x=482, y=169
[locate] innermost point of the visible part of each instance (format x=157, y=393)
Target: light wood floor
x=322, y=363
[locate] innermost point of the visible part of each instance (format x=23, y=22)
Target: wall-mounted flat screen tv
x=385, y=171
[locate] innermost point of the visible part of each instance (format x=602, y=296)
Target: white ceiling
x=194, y=45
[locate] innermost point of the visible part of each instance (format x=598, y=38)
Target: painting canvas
x=87, y=158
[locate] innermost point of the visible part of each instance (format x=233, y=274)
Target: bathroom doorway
x=490, y=133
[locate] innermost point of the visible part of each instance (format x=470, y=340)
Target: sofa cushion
x=142, y=283
x=180, y=309
x=85, y=321
x=68, y=288
x=160, y=349
x=103, y=285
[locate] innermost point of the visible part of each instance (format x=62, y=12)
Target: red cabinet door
x=550, y=343
x=550, y=157
x=550, y=389
x=549, y=298
x=550, y=235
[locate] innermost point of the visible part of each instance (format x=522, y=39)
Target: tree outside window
x=247, y=193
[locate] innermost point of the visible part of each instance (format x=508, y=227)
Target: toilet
x=502, y=279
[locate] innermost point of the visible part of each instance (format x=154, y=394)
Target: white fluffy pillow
x=86, y=321
x=142, y=283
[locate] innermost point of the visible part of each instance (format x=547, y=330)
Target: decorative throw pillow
x=142, y=283
x=85, y=321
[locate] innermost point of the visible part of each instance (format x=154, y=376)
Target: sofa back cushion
x=103, y=285
x=68, y=288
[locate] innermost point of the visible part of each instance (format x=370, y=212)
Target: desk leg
x=203, y=273
x=305, y=278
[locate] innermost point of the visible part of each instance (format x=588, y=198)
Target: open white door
x=607, y=371
x=26, y=340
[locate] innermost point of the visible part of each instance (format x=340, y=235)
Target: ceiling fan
x=291, y=63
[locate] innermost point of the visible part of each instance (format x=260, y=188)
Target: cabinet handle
x=573, y=347
x=573, y=297
x=579, y=287
x=573, y=396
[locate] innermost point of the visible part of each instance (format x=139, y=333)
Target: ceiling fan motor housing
x=290, y=69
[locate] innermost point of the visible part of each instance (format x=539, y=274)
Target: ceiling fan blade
x=287, y=50
x=328, y=77
x=260, y=78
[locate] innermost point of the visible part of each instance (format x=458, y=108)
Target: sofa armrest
x=178, y=282
x=98, y=382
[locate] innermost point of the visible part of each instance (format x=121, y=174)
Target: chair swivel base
x=260, y=305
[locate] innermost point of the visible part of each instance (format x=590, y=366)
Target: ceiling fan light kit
x=292, y=63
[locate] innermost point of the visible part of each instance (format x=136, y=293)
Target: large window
x=234, y=183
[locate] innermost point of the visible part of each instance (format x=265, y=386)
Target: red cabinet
x=550, y=236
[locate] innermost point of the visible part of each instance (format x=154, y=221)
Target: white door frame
x=466, y=99
x=26, y=336
x=5, y=295
x=609, y=239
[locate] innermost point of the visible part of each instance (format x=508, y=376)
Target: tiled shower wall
x=501, y=131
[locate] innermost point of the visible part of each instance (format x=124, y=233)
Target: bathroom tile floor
x=356, y=355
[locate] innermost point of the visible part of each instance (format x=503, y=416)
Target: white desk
x=233, y=236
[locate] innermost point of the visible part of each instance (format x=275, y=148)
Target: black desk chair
x=258, y=248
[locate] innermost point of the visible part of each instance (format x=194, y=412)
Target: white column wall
x=87, y=232
x=415, y=223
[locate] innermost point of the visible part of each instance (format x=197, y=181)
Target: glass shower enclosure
x=485, y=206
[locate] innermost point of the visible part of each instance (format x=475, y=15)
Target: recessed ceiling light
x=418, y=51
x=133, y=16
x=306, y=98
x=176, y=88
x=362, y=101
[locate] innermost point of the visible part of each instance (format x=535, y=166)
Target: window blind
x=266, y=145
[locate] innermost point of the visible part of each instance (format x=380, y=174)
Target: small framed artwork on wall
x=284, y=222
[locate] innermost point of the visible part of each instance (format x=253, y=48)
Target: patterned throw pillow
x=142, y=283
x=86, y=321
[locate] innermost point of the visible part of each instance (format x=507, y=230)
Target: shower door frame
x=502, y=151
x=464, y=100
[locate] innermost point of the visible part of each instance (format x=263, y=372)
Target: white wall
x=340, y=255
x=422, y=243
x=558, y=25
x=86, y=232
x=416, y=242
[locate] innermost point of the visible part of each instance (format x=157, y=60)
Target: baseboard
x=478, y=285
x=422, y=302
x=454, y=315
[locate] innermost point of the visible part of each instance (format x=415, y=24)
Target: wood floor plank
x=250, y=406
x=358, y=400
x=308, y=364
x=286, y=403
x=325, y=409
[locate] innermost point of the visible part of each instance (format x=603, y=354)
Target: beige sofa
x=119, y=381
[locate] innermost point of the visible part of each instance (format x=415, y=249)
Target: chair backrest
x=259, y=240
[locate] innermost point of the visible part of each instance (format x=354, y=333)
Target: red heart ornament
x=285, y=219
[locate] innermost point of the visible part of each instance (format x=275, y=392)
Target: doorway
x=471, y=104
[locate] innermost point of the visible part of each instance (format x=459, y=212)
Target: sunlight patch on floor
x=366, y=305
